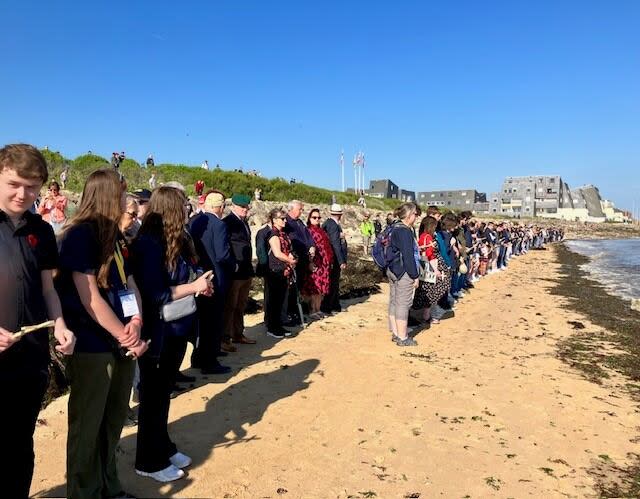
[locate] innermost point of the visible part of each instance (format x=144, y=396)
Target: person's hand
x=438, y=273
x=343, y=266
x=131, y=335
x=139, y=349
x=6, y=339
x=66, y=340
x=312, y=251
x=202, y=285
x=293, y=260
x=416, y=282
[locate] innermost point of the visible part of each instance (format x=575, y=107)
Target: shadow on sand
x=200, y=434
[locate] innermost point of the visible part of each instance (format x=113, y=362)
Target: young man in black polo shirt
x=28, y=255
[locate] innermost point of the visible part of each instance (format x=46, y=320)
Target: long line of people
x=430, y=272
x=137, y=278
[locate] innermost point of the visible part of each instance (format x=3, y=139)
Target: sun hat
x=335, y=209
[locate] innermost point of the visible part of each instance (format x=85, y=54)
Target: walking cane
x=295, y=282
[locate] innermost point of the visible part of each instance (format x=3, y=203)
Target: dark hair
x=428, y=225
x=26, y=160
x=54, y=185
x=433, y=210
x=314, y=210
x=449, y=221
x=466, y=214
x=276, y=213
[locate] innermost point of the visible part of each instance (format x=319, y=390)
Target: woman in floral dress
x=316, y=284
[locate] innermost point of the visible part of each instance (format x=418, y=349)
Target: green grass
x=229, y=182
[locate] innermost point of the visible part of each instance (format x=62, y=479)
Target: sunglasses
x=315, y=218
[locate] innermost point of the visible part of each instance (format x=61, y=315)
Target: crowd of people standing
x=136, y=277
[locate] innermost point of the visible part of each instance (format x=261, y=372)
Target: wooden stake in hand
x=30, y=329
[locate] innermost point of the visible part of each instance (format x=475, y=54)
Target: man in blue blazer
x=211, y=241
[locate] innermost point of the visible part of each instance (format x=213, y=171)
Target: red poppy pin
x=125, y=252
x=32, y=240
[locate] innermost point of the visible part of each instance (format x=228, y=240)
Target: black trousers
x=22, y=396
x=157, y=377
x=331, y=301
x=277, y=285
x=210, y=319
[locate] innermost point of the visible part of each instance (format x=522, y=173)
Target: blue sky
x=437, y=94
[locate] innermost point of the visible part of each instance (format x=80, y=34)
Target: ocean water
x=615, y=263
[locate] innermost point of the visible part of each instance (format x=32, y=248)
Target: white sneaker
x=180, y=460
x=169, y=474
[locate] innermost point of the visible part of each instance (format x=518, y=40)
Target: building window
x=433, y=195
x=552, y=180
x=463, y=194
x=467, y=201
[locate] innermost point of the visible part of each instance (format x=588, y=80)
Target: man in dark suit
x=211, y=241
x=238, y=294
x=331, y=301
x=304, y=248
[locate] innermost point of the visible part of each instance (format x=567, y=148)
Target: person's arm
x=65, y=338
x=405, y=244
x=274, y=244
x=333, y=232
x=96, y=306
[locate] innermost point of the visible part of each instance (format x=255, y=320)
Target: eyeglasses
x=315, y=218
x=131, y=214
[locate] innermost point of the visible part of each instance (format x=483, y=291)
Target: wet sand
x=482, y=407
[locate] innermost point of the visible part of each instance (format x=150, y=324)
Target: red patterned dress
x=317, y=282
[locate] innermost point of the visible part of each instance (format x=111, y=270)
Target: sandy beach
x=482, y=407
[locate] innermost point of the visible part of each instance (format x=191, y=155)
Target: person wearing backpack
x=403, y=271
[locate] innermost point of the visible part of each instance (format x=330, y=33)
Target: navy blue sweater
x=402, y=243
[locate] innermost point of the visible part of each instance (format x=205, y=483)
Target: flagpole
x=342, y=167
x=362, y=171
x=355, y=173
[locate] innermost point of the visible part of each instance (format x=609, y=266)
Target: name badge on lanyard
x=126, y=296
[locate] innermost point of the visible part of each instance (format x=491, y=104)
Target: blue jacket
x=403, y=243
x=338, y=243
x=211, y=241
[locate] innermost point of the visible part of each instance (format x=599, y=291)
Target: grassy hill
x=229, y=182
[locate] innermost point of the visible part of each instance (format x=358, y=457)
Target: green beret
x=241, y=200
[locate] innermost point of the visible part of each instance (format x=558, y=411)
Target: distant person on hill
x=115, y=160
x=362, y=202
x=150, y=162
x=199, y=187
x=331, y=302
x=153, y=181
x=367, y=230
x=28, y=255
x=257, y=194
x=63, y=177
x=241, y=279
x=205, y=165
x=316, y=285
x=53, y=207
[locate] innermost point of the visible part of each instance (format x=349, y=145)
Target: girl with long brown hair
x=101, y=302
x=163, y=262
